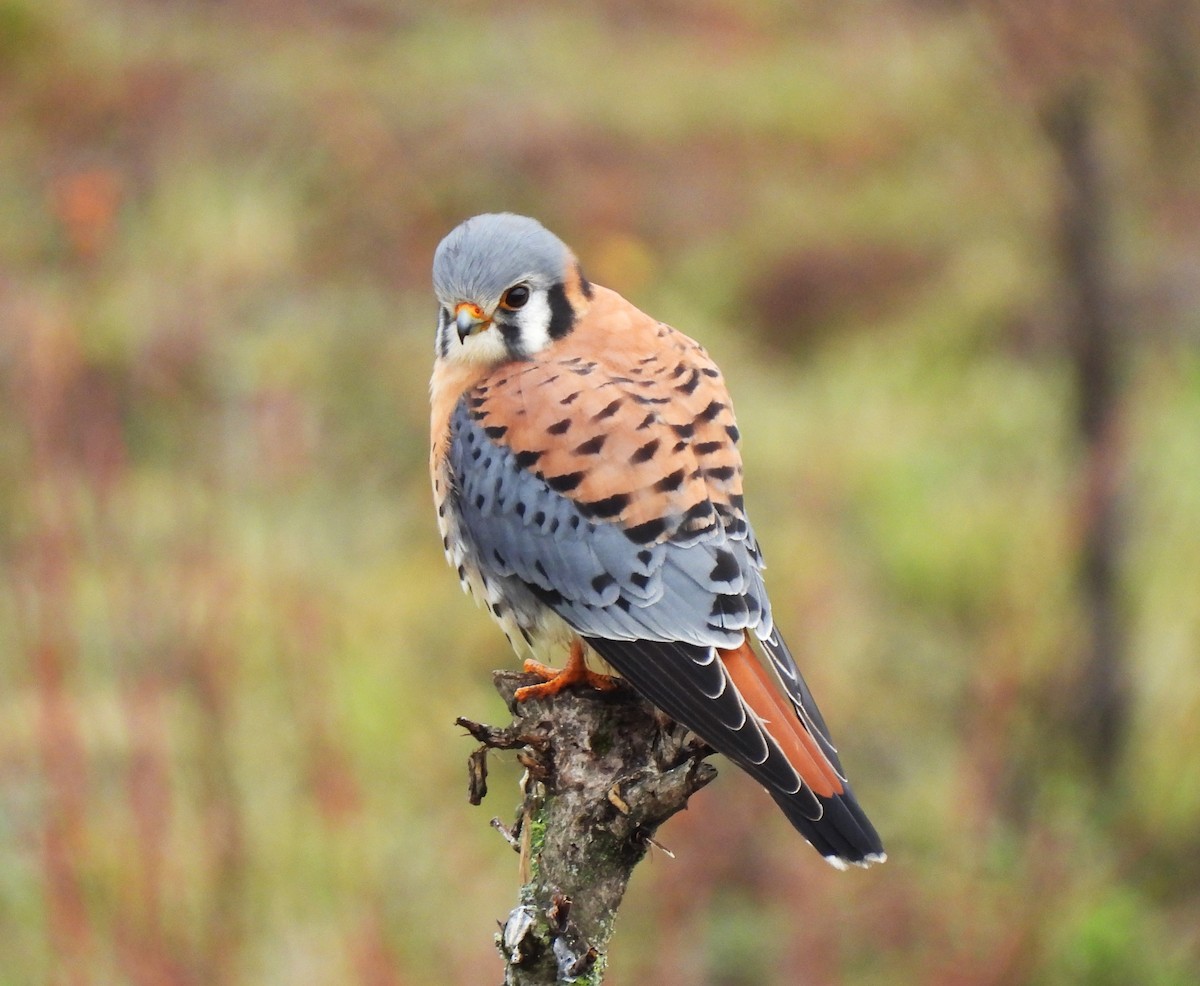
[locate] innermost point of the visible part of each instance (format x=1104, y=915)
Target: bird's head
x=503, y=285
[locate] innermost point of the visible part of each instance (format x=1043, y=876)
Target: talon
x=555, y=681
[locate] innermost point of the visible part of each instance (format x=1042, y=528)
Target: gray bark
x=603, y=771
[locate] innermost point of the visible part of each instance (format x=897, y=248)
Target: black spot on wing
x=608, y=410
x=728, y=611
x=602, y=582
x=670, y=482
x=647, y=532
x=725, y=567
x=610, y=506
x=689, y=386
x=566, y=482
x=592, y=446
x=646, y=452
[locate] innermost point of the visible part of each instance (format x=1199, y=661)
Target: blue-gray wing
x=657, y=609
x=706, y=591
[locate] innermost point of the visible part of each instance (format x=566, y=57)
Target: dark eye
x=515, y=297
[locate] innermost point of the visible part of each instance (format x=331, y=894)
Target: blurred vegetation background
x=948, y=255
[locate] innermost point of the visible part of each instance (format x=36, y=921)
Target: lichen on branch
x=603, y=771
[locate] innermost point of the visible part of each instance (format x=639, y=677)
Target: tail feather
x=797, y=765
x=844, y=831
x=843, y=834
x=798, y=744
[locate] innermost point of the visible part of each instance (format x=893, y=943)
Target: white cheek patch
x=534, y=320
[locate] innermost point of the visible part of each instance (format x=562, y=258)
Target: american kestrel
x=588, y=487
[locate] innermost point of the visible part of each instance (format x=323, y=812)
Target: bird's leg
x=576, y=671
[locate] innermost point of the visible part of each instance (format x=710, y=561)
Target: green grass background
x=230, y=651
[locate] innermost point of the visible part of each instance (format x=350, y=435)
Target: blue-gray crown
x=483, y=256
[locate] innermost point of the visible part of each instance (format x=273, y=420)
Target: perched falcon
x=589, y=490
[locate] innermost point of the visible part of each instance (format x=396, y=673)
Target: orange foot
x=576, y=671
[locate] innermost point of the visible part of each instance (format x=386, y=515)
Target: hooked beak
x=469, y=319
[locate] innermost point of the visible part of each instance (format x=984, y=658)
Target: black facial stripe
x=510, y=329
x=562, y=315
x=443, y=335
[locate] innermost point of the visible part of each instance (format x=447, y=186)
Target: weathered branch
x=603, y=771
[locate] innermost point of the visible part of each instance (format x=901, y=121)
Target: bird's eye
x=515, y=297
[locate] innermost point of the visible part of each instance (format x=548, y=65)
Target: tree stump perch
x=603, y=771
